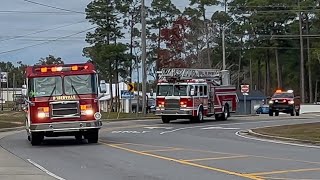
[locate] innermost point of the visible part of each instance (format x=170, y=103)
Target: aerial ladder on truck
x=205, y=104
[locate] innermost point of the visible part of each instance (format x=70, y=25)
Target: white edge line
x=45, y=170
x=204, y=126
x=275, y=141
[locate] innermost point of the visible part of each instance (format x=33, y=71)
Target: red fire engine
x=195, y=93
x=62, y=100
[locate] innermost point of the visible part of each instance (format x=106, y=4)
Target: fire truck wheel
x=92, y=136
x=224, y=115
x=200, y=115
x=276, y=113
x=36, y=138
x=78, y=137
x=297, y=113
x=165, y=119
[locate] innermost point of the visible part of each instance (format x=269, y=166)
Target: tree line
x=262, y=40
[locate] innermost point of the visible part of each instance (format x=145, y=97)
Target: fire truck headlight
x=183, y=104
x=291, y=102
x=89, y=112
x=43, y=112
x=41, y=115
x=270, y=102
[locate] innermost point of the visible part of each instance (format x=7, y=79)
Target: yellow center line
x=163, y=150
x=284, y=171
x=217, y=152
x=281, y=178
x=186, y=163
x=214, y=158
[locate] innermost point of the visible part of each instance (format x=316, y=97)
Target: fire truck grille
x=172, y=104
x=65, y=109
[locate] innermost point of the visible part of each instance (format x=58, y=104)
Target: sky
x=20, y=18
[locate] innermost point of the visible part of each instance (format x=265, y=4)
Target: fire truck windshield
x=45, y=86
x=83, y=84
x=73, y=84
x=175, y=90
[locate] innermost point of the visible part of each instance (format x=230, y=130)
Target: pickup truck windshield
x=283, y=95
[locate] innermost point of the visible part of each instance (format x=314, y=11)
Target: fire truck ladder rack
x=213, y=75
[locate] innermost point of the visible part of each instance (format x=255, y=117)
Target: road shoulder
x=15, y=168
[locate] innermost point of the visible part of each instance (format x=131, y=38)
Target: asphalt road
x=150, y=150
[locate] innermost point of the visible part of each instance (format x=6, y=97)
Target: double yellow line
x=248, y=176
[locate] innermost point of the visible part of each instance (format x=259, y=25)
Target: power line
x=46, y=42
x=36, y=12
x=53, y=7
x=41, y=31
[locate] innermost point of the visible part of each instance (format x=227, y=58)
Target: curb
x=284, y=139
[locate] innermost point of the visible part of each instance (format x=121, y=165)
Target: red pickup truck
x=285, y=102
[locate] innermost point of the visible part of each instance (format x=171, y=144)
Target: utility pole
x=302, y=89
x=223, y=49
x=143, y=56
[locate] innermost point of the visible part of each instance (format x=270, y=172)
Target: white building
x=124, y=103
x=7, y=94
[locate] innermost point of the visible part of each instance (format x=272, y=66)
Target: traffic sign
x=125, y=94
x=130, y=87
x=245, y=88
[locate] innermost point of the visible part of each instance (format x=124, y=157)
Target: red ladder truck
x=184, y=93
x=62, y=100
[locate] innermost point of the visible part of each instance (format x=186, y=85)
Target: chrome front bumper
x=66, y=126
x=173, y=112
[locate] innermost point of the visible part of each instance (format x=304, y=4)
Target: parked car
x=264, y=109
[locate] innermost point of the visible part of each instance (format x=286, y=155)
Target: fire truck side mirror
x=103, y=87
x=24, y=90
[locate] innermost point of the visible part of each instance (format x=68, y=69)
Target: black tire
x=270, y=113
x=78, y=137
x=92, y=136
x=224, y=115
x=165, y=119
x=292, y=113
x=276, y=113
x=297, y=113
x=36, y=138
x=200, y=116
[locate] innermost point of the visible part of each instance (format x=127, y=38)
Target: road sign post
x=130, y=87
x=245, y=91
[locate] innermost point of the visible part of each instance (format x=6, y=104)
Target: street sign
x=125, y=94
x=130, y=87
x=245, y=88
x=3, y=76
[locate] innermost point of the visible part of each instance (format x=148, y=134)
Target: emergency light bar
x=184, y=73
x=60, y=68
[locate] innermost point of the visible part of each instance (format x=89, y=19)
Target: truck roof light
x=278, y=91
x=74, y=68
x=44, y=69
x=290, y=91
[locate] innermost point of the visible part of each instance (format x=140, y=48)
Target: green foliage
x=50, y=60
